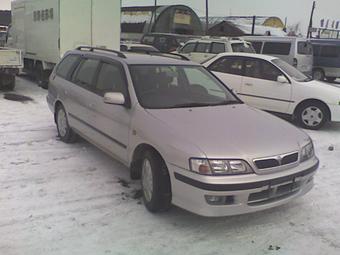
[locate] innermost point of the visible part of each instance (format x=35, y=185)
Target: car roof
x=243, y=54
x=209, y=40
x=136, y=58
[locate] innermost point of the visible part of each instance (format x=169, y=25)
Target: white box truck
x=46, y=29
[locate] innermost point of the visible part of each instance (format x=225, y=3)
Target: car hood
x=233, y=131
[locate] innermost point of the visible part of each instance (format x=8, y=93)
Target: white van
x=295, y=51
x=203, y=49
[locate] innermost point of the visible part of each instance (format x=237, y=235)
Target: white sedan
x=273, y=85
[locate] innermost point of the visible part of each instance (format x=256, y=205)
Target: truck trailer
x=45, y=29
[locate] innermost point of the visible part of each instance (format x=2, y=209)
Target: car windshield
x=168, y=86
x=291, y=71
x=243, y=47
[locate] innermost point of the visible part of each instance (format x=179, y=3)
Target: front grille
x=277, y=161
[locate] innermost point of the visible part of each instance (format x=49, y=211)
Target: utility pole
x=309, y=32
x=206, y=16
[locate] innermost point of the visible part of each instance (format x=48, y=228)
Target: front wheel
x=312, y=115
x=65, y=132
x=155, y=183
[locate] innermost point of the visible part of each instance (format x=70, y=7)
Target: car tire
x=312, y=115
x=331, y=79
x=41, y=76
x=156, y=186
x=318, y=75
x=65, y=132
x=7, y=82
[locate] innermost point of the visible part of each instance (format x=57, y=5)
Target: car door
x=80, y=96
x=261, y=89
x=229, y=70
x=112, y=122
x=201, y=52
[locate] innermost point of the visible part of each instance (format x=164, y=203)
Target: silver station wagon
x=178, y=128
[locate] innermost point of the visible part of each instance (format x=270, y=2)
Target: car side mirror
x=282, y=79
x=115, y=98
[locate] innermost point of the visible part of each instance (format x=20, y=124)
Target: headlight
x=307, y=152
x=220, y=167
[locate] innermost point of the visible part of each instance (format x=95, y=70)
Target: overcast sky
x=294, y=10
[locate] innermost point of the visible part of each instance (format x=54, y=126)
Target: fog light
x=219, y=200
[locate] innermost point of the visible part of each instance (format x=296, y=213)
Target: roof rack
x=92, y=49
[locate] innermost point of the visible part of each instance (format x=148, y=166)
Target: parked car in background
x=271, y=84
x=192, y=142
x=296, y=51
x=165, y=42
x=326, y=59
x=200, y=50
x=136, y=47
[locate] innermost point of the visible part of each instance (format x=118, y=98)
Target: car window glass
x=305, y=48
x=200, y=81
x=252, y=68
x=190, y=47
x=329, y=51
x=270, y=72
x=230, y=65
x=217, y=48
x=110, y=79
x=276, y=48
x=148, y=39
x=257, y=46
x=123, y=48
x=242, y=47
x=66, y=65
x=202, y=47
x=86, y=73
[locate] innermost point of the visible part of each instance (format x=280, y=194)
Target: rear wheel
x=318, y=75
x=312, y=115
x=155, y=183
x=41, y=76
x=65, y=132
x=7, y=81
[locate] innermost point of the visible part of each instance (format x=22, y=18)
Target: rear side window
x=329, y=51
x=202, y=47
x=257, y=46
x=110, y=79
x=276, y=48
x=242, y=47
x=305, y=48
x=230, y=65
x=67, y=65
x=190, y=47
x=148, y=39
x=260, y=69
x=217, y=48
x=85, y=74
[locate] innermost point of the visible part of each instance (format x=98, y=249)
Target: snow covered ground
x=73, y=199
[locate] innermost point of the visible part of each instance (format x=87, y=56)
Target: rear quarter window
x=67, y=65
x=305, y=48
x=276, y=48
x=257, y=46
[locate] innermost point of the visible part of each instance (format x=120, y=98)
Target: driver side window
x=260, y=69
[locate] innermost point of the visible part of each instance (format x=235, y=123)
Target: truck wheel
x=41, y=76
x=318, y=75
x=65, y=132
x=7, y=82
x=312, y=115
x=155, y=183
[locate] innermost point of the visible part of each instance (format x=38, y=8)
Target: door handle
x=248, y=84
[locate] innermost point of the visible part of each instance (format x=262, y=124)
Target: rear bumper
x=190, y=191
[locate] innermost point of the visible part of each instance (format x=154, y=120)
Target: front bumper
x=243, y=194
x=335, y=112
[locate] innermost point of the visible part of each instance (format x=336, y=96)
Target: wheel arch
x=137, y=156
x=313, y=100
